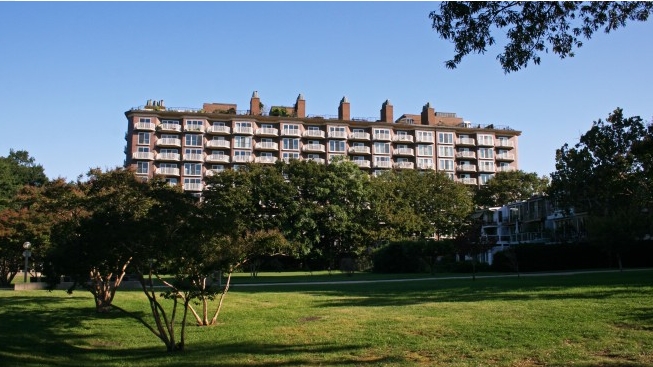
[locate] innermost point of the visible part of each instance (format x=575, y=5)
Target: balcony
x=486, y=168
x=403, y=138
x=466, y=141
x=168, y=142
x=337, y=135
x=485, y=142
x=167, y=171
x=169, y=128
x=194, y=157
x=504, y=143
x=506, y=169
x=143, y=155
x=267, y=131
x=466, y=168
x=382, y=137
x=167, y=156
x=194, y=128
x=219, y=129
x=225, y=144
x=314, y=134
x=243, y=130
x=314, y=148
x=404, y=165
x=266, y=160
x=149, y=126
x=193, y=187
x=404, y=151
x=316, y=160
x=242, y=159
x=213, y=172
x=359, y=135
x=291, y=132
x=505, y=157
x=361, y=163
x=217, y=158
x=424, y=139
x=359, y=149
x=266, y=145
x=421, y=165
x=467, y=180
x=466, y=155
x=382, y=164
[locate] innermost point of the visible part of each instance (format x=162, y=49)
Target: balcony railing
x=382, y=137
x=267, y=131
x=168, y=171
x=243, y=130
x=226, y=144
x=314, y=134
x=218, y=129
x=193, y=186
x=506, y=168
x=242, y=158
x=485, y=168
x=217, y=158
x=485, y=142
x=316, y=160
x=194, y=128
x=465, y=141
x=168, y=127
x=362, y=163
x=466, y=168
x=144, y=126
x=425, y=165
x=424, y=139
x=168, y=142
x=167, y=156
x=359, y=135
x=314, y=148
x=291, y=132
x=504, y=143
x=404, y=151
x=403, y=138
x=213, y=172
x=505, y=157
x=194, y=157
x=359, y=150
x=267, y=145
x=143, y=155
x=382, y=164
x=466, y=154
x=467, y=180
x=404, y=165
x=337, y=135
x=266, y=160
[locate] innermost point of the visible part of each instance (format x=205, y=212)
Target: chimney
x=428, y=115
x=300, y=107
x=343, y=109
x=386, y=111
x=255, y=104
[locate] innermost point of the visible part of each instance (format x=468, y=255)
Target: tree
x=16, y=170
x=533, y=27
x=510, y=186
x=607, y=174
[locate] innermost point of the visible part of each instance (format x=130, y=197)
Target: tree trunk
x=224, y=293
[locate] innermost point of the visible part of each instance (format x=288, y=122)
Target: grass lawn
x=592, y=319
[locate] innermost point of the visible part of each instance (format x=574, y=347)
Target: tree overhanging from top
x=532, y=27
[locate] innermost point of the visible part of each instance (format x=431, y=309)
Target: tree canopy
x=532, y=27
x=17, y=170
x=509, y=186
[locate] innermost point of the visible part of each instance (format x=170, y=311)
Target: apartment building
x=187, y=144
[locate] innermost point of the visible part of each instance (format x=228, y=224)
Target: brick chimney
x=343, y=110
x=255, y=104
x=428, y=115
x=386, y=112
x=300, y=107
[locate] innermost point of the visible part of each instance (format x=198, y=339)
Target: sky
x=70, y=70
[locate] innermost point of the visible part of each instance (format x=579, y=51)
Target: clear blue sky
x=69, y=71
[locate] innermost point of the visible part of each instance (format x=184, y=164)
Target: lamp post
x=27, y=253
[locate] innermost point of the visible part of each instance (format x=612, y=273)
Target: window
x=172, y=181
x=192, y=181
x=145, y=120
x=381, y=148
x=425, y=163
x=144, y=138
x=445, y=164
x=486, y=153
x=292, y=130
x=142, y=168
x=194, y=125
x=217, y=153
x=381, y=134
x=485, y=139
x=192, y=151
x=242, y=155
x=243, y=142
x=483, y=178
x=168, y=151
x=167, y=166
x=192, y=169
x=143, y=149
x=445, y=151
x=337, y=132
x=243, y=124
x=445, y=138
x=287, y=156
x=169, y=136
x=170, y=122
x=425, y=150
x=336, y=146
x=382, y=161
x=424, y=136
x=217, y=167
x=486, y=166
x=193, y=140
x=290, y=144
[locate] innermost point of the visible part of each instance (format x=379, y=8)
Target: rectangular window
x=337, y=132
x=170, y=122
x=485, y=139
x=145, y=120
x=486, y=166
x=445, y=151
x=172, y=181
x=425, y=163
x=425, y=150
x=194, y=125
x=193, y=140
x=143, y=149
x=243, y=142
x=192, y=169
x=169, y=136
x=169, y=151
x=167, y=165
x=381, y=148
x=445, y=164
x=483, y=178
x=424, y=136
x=144, y=138
x=336, y=146
x=381, y=134
x=287, y=156
x=487, y=153
x=290, y=144
x=445, y=138
x=142, y=168
x=292, y=130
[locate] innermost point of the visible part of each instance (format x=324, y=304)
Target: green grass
x=593, y=319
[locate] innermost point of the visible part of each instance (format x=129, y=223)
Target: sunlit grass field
x=586, y=319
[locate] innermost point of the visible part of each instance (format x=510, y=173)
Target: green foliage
x=420, y=256
x=533, y=27
x=17, y=170
x=510, y=186
x=279, y=111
